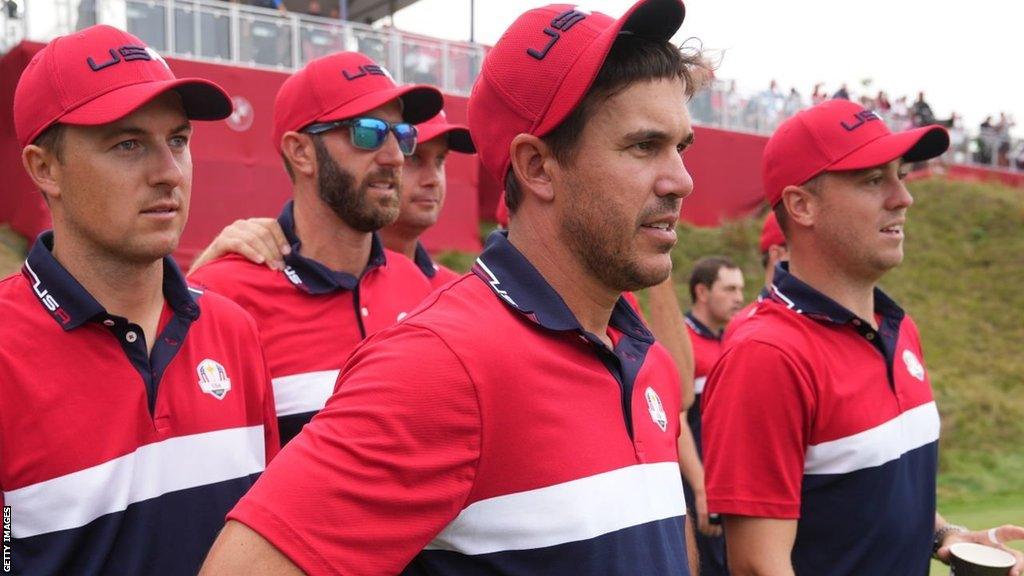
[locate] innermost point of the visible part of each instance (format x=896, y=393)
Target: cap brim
x=419, y=103
x=459, y=139
x=654, y=19
x=201, y=99
x=915, y=145
x=658, y=19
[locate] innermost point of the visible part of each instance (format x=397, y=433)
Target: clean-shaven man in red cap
x=343, y=129
x=520, y=420
x=424, y=188
x=136, y=409
x=422, y=196
x=820, y=428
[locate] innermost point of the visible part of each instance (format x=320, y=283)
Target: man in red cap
x=820, y=428
x=422, y=196
x=520, y=420
x=344, y=130
x=136, y=410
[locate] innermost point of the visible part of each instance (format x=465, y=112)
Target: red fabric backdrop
x=237, y=173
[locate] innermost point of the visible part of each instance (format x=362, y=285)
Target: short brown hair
x=52, y=140
x=631, y=59
x=705, y=272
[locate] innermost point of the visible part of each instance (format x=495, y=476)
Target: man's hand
x=261, y=240
x=994, y=537
x=703, y=520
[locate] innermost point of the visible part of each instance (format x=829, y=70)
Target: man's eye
x=644, y=146
x=179, y=141
x=127, y=145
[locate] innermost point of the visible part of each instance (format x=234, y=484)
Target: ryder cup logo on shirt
x=213, y=379
x=913, y=365
x=656, y=409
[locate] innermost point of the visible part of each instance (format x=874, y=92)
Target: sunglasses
x=371, y=133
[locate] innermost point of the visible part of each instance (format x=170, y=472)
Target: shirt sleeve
x=382, y=469
x=758, y=409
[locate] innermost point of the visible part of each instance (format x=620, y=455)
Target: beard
x=605, y=245
x=337, y=189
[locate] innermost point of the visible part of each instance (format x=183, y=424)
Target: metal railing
x=232, y=33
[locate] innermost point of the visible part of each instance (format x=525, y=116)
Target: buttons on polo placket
x=365, y=311
x=131, y=336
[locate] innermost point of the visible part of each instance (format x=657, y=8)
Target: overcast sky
x=959, y=53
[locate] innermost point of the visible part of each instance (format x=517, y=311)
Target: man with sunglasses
x=343, y=129
x=423, y=191
x=521, y=421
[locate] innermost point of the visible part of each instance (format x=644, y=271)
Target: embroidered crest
x=656, y=409
x=213, y=379
x=914, y=365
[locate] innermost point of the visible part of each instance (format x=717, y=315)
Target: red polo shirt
x=114, y=459
x=812, y=414
x=310, y=317
x=487, y=433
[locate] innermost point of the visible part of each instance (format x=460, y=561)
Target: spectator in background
x=313, y=8
x=843, y=93
x=819, y=95
x=11, y=7
x=716, y=291
x=957, y=138
x=900, y=114
x=921, y=112
x=988, y=137
x=794, y=103
x=882, y=104
x=270, y=5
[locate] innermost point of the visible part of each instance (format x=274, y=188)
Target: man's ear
x=300, y=152
x=44, y=169
x=802, y=206
x=700, y=293
x=531, y=162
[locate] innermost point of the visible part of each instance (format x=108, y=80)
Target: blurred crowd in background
x=990, y=144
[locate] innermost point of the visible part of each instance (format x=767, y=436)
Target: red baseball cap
x=458, y=135
x=543, y=65
x=771, y=233
x=99, y=75
x=839, y=135
x=343, y=85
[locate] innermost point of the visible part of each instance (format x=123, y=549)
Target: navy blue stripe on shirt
x=647, y=549
x=169, y=534
x=841, y=532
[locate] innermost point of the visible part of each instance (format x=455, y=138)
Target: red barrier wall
x=237, y=170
